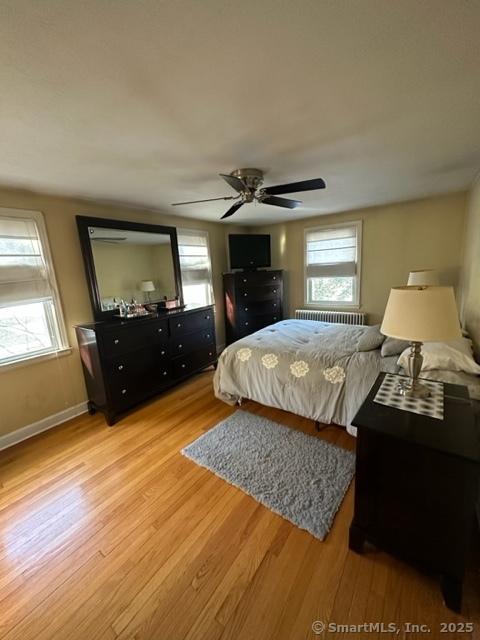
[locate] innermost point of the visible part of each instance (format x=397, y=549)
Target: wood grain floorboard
x=111, y=533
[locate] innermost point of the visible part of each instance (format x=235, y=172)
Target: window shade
x=331, y=252
x=194, y=258
x=23, y=272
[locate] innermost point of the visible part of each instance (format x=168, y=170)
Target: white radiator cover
x=337, y=317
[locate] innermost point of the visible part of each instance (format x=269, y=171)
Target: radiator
x=337, y=317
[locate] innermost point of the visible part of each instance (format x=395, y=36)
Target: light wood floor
x=112, y=533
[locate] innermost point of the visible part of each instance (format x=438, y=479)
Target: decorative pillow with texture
x=454, y=355
x=370, y=339
x=393, y=347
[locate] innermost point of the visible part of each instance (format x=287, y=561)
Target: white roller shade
x=23, y=272
x=195, y=266
x=331, y=252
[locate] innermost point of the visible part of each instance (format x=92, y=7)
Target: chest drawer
x=259, y=293
x=184, y=365
x=246, y=326
x=258, y=278
x=129, y=338
x=191, y=322
x=247, y=310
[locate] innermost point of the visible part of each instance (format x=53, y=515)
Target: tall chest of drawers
x=253, y=300
x=126, y=362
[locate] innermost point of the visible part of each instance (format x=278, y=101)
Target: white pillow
x=454, y=355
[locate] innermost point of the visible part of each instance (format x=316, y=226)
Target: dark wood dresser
x=128, y=361
x=416, y=485
x=253, y=300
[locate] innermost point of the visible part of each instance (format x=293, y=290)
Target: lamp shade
x=423, y=277
x=421, y=314
x=147, y=285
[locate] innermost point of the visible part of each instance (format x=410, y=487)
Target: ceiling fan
x=248, y=183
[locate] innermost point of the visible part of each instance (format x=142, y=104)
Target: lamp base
x=413, y=389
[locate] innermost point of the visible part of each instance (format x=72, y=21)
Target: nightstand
x=416, y=485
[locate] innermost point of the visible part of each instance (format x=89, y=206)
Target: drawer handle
x=120, y=367
x=160, y=330
x=274, y=291
x=116, y=341
x=164, y=373
x=244, y=279
x=207, y=317
x=208, y=335
x=210, y=353
x=246, y=308
x=162, y=353
x=179, y=325
x=124, y=391
x=246, y=324
x=274, y=317
x=274, y=277
x=274, y=304
x=183, y=366
x=244, y=295
x=180, y=346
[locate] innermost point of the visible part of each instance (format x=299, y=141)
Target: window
x=30, y=317
x=332, y=264
x=195, y=266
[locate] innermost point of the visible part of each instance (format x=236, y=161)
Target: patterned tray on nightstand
x=431, y=406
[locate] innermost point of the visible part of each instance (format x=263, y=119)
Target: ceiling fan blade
x=294, y=187
x=281, y=202
x=231, y=211
x=175, y=204
x=235, y=182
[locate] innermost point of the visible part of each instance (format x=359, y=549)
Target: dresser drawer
x=258, y=293
x=184, y=365
x=191, y=322
x=129, y=338
x=258, y=278
x=134, y=364
x=192, y=341
x=141, y=370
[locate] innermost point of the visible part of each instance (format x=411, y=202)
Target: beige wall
x=396, y=239
x=470, y=282
x=31, y=392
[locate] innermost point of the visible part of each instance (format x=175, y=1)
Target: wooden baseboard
x=30, y=430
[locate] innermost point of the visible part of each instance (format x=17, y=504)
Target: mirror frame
x=83, y=222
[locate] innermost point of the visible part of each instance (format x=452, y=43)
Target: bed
x=309, y=368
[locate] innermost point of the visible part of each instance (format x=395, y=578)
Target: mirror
x=126, y=260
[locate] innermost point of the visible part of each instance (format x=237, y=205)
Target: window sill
x=336, y=306
x=29, y=360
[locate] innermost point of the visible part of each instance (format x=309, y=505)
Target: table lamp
x=147, y=287
x=423, y=277
x=420, y=314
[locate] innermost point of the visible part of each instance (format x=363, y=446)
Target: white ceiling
x=146, y=101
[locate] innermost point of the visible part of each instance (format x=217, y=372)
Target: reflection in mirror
x=130, y=265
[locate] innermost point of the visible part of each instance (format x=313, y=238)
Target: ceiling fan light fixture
x=248, y=184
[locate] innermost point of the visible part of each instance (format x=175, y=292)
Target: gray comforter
x=307, y=367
